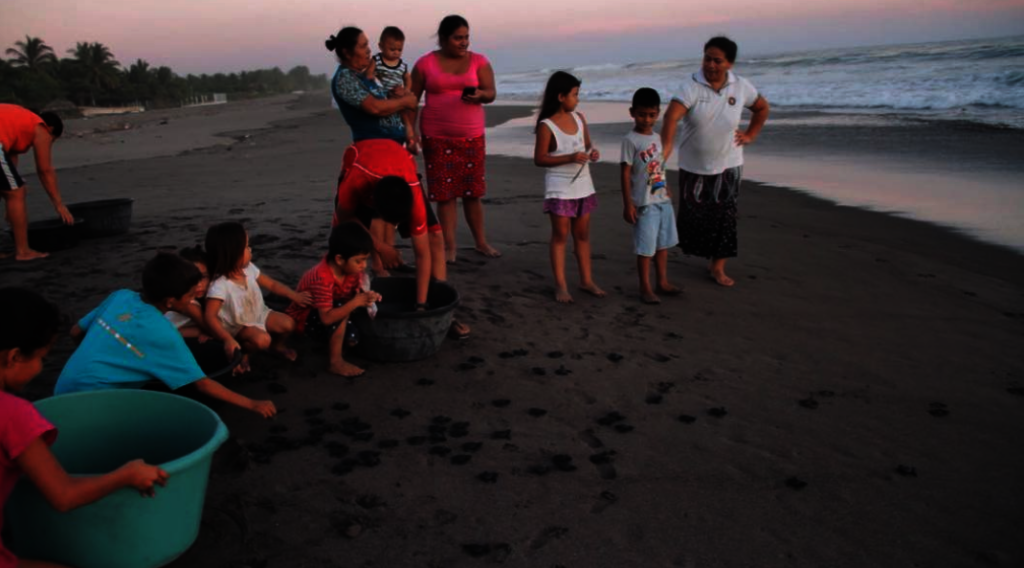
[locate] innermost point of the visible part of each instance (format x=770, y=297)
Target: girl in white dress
x=563, y=147
x=235, y=311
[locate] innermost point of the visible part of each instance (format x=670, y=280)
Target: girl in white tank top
x=569, y=195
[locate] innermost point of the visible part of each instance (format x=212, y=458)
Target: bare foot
x=285, y=352
x=650, y=298
x=449, y=256
x=346, y=369
x=593, y=290
x=242, y=368
x=669, y=290
x=488, y=251
x=31, y=255
x=458, y=330
x=721, y=278
x=563, y=296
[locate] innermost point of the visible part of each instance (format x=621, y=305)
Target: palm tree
x=98, y=65
x=32, y=53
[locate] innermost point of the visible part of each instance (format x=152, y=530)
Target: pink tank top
x=445, y=114
x=17, y=128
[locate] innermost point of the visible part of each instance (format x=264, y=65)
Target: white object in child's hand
x=364, y=284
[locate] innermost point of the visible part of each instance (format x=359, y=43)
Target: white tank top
x=558, y=182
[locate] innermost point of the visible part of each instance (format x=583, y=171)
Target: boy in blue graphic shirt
x=647, y=204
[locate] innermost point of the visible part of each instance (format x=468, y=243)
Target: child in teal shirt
x=127, y=342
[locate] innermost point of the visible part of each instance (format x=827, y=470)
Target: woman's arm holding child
x=542, y=153
x=213, y=389
x=275, y=287
x=65, y=493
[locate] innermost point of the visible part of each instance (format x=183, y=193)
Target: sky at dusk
x=206, y=36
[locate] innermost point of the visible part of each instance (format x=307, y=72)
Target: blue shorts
x=655, y=228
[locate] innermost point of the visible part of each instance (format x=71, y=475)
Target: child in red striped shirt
x=336, y=288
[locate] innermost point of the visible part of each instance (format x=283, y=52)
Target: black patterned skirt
x=707, y=213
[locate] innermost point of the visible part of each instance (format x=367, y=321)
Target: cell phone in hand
x=468, y=91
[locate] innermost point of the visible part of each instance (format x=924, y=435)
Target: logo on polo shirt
x=732, y=101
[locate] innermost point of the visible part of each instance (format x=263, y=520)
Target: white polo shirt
x=707, y=142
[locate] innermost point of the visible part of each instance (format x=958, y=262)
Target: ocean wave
x=983, y=78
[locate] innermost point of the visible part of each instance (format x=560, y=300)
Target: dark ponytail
x=346, y=40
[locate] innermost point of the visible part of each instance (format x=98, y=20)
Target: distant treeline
x=33, y=76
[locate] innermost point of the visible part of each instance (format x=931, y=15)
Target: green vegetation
x=33, y=76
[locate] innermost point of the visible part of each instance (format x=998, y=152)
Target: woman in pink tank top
x=457, y=84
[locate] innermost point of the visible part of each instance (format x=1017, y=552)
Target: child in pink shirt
x=27, y=331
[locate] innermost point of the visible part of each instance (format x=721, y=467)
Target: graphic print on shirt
x=651, y=157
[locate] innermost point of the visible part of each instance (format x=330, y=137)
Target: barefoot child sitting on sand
x=127, y=342
x=335, y=287
x=563, y=147
x=27, y=331
x=235, y=311
x=647, y=204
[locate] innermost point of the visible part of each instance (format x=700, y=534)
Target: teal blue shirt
x=127, y=343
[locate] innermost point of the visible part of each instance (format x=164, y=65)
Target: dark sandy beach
x=852, y=402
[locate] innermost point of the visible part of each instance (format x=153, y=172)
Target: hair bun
x=331, y=43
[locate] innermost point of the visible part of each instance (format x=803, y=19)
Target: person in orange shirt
x=20, y=130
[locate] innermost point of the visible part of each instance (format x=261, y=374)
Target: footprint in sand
x=795, y=483
x=906, y=470
x=717, y=412
x=547, y=535
x=603, y=461
x=604, y=500
x=488, y=476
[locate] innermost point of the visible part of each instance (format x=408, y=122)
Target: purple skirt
x=571, y=207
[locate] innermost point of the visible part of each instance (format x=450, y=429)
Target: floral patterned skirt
x=455, y=167
x=707, y=213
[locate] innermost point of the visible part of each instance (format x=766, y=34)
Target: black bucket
x=399, y=332
x=104, y=218
x=52, y=235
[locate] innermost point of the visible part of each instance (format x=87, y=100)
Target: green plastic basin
x=98, y=432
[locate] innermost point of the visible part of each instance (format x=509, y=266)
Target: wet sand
x=853, y=401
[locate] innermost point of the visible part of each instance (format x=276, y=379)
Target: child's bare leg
x=661, y=268
x=581, y=248
x=643, y=269
x=280, y=327
x=559, y=237
x=252, y=339
x=338, y=365
x=448, y=215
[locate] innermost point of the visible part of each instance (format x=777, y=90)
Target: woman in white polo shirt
x=710, y=105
